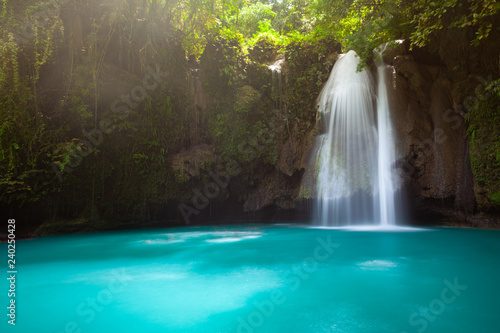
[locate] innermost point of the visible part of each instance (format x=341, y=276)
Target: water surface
x=259, y=278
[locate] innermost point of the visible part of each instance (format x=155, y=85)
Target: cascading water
x=387, y=183
x=346, y=156
x=277, y=85
x=354, y=153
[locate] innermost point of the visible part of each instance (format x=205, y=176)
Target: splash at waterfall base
x=351, y=174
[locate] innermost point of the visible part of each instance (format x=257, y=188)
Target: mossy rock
x=247, y=99
x=259, y=77
x=309, y=65
x=483, y=132
x=264, y=51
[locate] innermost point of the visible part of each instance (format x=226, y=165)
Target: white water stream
x=355, y=150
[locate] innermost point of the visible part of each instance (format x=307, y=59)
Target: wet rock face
x=433, y=157
x=189, y=163
x=295, y=150
x=287, y=157
x=432, y=150
x=276, y=189
x=281, y=185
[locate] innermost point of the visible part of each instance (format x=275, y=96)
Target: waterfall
x=354, y=151
x=277, y=84
x=387, y=183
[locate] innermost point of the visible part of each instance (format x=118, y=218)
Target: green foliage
x=496, y=198
x=249, y=19
x=428, y=18
x=484, y=135
x=366, y=26
x=309, y=65
x=237, y=112
x=266, y=43
x=27, y=42
x=48, y=99
x=222, y=61
x=236, y=131
x=362, y=25
x=431, y=16
x=266, y=32
x=63, y=64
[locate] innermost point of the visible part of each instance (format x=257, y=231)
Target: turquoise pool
x=258, y=278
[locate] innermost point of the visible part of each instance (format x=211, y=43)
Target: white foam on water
x=375, y=227
x=377, y=265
